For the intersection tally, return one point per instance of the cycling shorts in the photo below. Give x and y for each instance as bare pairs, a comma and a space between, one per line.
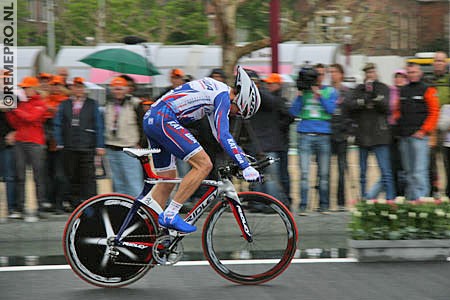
164, 131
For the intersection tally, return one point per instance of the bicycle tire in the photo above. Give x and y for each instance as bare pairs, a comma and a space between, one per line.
274, 239
85, 241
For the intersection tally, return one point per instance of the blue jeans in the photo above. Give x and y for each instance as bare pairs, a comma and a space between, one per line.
272, 184
318, 145
126, 173
382, 154
415, 161
8, 172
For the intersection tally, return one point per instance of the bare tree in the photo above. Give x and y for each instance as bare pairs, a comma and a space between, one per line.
364, 17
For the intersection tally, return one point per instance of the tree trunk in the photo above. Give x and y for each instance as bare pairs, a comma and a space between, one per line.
226, 21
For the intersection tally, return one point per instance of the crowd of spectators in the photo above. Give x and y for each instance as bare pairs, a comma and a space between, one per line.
60, 133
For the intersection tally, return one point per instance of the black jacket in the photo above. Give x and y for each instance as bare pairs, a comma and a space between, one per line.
85, 137
269, 124
370, 112
5, 128
341, 123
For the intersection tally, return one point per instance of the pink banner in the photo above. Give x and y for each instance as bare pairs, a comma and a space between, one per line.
266, 70
104, 76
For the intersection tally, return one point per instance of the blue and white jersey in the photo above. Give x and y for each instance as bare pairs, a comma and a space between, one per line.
193, 100
196, 99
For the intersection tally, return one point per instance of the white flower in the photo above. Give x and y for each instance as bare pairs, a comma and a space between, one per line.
371, 213
447, 215
393, 217
444, 199
357, 213
370, 202
382, 201
399, 200
423, 215
439, 212
412, 214
384, 213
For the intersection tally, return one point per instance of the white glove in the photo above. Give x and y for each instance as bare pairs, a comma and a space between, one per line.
251, 174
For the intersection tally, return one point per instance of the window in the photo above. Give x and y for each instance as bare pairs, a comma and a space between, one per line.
43, 10
32, 8
395, 33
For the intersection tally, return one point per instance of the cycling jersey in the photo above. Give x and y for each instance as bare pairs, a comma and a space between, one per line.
163, 123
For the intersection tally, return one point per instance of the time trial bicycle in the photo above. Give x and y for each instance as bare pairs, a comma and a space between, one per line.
112, 240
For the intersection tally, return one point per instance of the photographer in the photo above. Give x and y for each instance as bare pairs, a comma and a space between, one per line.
314, 105
369, 107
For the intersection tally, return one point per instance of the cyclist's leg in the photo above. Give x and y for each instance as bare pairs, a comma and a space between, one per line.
163, 130
201, 166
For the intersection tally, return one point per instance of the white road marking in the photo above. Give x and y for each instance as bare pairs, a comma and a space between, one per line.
193, 263
199, 263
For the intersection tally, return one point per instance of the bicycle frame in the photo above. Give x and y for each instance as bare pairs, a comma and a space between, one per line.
222, 190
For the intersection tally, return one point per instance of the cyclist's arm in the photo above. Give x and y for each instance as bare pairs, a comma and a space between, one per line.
220, 127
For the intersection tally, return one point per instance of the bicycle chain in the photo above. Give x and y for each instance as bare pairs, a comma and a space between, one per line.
138, 264
135, 264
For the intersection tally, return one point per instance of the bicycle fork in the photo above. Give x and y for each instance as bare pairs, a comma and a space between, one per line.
241, 219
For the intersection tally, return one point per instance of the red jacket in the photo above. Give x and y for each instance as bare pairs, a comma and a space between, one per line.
28, 120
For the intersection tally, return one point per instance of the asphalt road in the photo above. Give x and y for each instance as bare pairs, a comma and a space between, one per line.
306, 281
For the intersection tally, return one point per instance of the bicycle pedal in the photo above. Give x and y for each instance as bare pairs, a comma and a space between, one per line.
172, 232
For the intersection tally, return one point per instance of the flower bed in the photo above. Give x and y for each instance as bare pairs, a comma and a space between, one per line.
401, 220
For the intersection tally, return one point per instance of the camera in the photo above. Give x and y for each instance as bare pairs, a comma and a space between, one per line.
307, 77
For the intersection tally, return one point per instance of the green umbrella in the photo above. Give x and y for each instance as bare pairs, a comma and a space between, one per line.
122, 61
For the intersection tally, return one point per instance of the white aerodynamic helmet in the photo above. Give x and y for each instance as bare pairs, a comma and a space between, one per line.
247, 98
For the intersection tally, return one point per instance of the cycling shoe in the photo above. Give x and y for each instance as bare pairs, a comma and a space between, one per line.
176, 222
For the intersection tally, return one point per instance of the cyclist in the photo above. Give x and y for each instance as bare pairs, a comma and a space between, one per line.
163, 125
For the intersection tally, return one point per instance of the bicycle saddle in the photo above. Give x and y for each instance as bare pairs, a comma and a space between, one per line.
139, 152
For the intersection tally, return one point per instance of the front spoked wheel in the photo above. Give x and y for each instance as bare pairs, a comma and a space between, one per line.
267, 256
89, 246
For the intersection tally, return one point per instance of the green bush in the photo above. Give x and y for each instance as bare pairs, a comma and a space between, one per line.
401, 220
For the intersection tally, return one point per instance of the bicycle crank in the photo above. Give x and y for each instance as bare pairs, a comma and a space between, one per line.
166, 254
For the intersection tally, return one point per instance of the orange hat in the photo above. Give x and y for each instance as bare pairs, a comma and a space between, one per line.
274, 78
29, 81
78, 80
176, 73
57, 80
118, 81
45, 75
147, 102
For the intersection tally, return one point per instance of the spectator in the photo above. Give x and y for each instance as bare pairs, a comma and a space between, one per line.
369, 107
417, 113
123, 128
7, 164
63, 72
78, 129
188, 78
28, 121
44, 84
441, 80
218, 74
314, 107
281, 123
131, 84
341, 126
400, 79
55, 166
177, 78
265, 139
